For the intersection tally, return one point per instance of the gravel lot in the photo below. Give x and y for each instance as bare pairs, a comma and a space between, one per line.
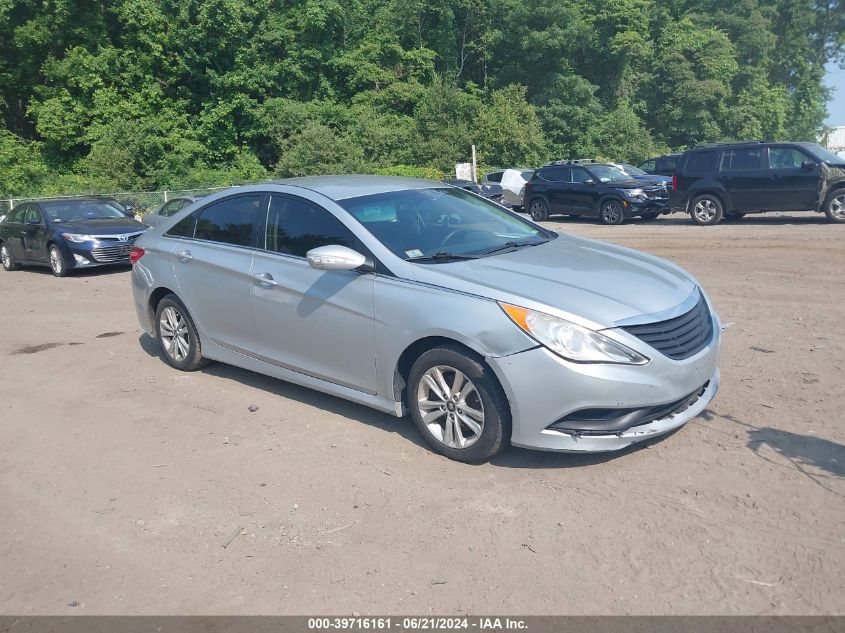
127, 487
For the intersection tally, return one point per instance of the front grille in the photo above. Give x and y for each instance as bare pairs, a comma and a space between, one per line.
111, 254
681, 337
656, 193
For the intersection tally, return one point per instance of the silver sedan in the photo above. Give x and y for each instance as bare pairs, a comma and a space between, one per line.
421, 299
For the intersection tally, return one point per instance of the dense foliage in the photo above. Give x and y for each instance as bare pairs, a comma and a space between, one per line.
128, 94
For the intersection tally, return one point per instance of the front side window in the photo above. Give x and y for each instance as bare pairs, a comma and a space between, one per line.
295, 226
744, 159
229, 221
33, 215
648, 166
786, 158
580, 175
607, 173
435, 224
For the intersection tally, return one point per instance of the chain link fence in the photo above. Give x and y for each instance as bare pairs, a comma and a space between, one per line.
140, 201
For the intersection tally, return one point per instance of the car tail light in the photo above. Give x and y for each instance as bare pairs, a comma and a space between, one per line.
674, 182
135, 254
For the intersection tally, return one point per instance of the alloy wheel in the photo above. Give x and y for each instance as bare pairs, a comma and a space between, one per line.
56, 262
450, 407
538, 210
837, 207
174, 334
705, 210
611, 213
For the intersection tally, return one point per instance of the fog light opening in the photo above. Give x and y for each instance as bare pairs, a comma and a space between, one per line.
81, 260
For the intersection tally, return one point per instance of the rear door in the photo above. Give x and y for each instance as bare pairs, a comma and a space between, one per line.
794, 187
316, 322
13, 231
212, 257
559, 188
745, 179
34, 235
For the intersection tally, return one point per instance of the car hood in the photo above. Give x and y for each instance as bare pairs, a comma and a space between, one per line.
593, 283
627, 184
105, 226
657, 180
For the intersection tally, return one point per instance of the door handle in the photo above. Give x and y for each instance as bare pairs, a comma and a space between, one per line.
265, 279
184, 256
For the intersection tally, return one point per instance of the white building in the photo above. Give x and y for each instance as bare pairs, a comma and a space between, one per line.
835, 141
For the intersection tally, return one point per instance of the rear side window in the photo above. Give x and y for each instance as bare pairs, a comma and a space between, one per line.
494, 177
230, 221
555, 174
742, 159
170, 208
18, 214
295, 226
699, 164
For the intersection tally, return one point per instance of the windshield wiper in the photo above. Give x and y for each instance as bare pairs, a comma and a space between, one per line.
512, 244
441, 256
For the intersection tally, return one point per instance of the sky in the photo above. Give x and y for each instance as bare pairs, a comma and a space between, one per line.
835, 78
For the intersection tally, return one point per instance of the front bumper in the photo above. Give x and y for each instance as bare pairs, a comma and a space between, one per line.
650, 205
94, 253
543, 389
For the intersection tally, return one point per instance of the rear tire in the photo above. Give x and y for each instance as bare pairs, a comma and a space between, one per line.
57, 261
612, 212
706, 210
467, 416
834, 206
9, 262
538, 210
177, 335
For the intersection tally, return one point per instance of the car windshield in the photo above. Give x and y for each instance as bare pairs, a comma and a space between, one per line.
439, 224
608, 173
74, 210
824, 154
633, 171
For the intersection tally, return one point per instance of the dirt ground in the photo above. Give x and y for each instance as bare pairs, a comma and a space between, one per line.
127, 487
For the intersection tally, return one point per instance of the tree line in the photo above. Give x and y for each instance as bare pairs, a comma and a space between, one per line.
106, 95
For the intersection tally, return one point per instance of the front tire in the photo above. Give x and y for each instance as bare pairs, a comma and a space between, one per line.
177, 335
611, 212
539, 210
9, 263
707, 210
458, 405
57, 261
834, 208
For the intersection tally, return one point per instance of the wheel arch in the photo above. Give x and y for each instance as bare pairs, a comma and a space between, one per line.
155, 298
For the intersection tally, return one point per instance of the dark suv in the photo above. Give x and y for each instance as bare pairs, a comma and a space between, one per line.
593, 189
662, 165
730, 180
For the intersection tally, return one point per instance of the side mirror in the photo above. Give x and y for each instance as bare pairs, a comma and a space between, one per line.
808, 165
335, 257
589, 181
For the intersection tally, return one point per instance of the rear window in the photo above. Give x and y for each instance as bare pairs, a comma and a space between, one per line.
494, 177
699, 164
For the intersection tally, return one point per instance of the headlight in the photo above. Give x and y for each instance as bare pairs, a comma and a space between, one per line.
633, 193
77, 237
571, 341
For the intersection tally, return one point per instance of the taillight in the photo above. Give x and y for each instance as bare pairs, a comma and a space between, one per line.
135, 254
674, 182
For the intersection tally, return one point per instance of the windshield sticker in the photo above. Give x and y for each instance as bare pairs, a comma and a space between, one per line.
414, 253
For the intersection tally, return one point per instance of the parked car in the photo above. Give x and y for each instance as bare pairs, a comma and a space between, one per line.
153, 218
512, 182
410, 296
67, 235
662, 165
491, 192
638, 174
727, 181
593, 189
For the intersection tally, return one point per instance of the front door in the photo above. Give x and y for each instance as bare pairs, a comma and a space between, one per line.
213, 268
13, 229
794, 184
33, 236
316, 322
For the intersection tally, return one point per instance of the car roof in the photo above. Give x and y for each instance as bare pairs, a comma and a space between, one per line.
343, 187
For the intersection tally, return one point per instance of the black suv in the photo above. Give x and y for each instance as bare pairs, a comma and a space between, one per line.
593, 189
730, 180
